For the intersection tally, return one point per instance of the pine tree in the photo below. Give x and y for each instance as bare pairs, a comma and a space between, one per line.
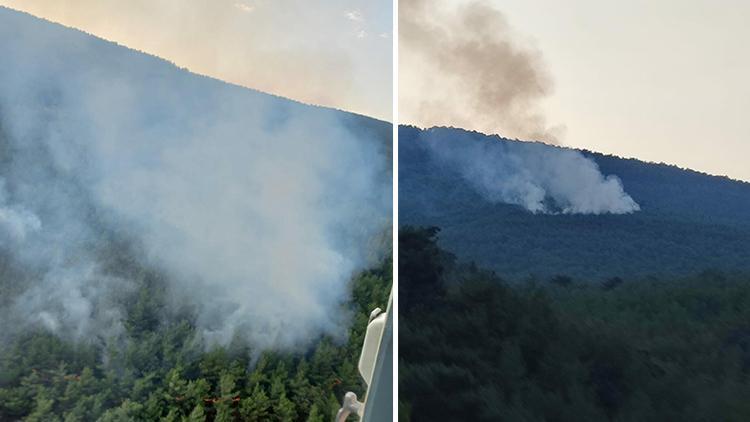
43, 411
224, 408
198, 414
256, 407
315, 415
285, 409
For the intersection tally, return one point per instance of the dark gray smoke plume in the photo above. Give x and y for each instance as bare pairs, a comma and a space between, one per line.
257, 210
461, 66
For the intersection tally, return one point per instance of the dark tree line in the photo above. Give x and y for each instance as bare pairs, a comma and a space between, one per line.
475, 347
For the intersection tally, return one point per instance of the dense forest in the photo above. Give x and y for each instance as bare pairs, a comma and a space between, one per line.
475, 347
160, 372
688, 221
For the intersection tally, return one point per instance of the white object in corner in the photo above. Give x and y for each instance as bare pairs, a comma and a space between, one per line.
371, 344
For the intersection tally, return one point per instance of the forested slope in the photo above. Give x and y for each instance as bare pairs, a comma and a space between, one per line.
160, 370
688, 221
475, 347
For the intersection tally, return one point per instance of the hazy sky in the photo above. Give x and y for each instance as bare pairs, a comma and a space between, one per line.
657, 80
333, 52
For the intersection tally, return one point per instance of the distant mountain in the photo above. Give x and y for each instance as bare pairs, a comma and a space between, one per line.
688, 221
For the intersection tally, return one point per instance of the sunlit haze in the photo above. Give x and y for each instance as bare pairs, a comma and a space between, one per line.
335, 53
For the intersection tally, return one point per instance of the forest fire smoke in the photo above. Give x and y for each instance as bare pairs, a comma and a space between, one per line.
480, 75
256, 210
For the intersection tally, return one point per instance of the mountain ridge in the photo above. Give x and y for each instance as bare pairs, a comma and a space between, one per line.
585, 151
39, 20
688, 221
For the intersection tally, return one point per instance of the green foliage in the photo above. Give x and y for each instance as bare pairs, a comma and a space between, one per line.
628, 350
315, 415
198, 413
157, 372
257, 407
423, 264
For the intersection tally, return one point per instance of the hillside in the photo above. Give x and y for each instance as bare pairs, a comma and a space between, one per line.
169, 244
486, 350
688, 222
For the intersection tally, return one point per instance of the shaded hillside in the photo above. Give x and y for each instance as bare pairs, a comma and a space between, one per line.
675, 349
688, 221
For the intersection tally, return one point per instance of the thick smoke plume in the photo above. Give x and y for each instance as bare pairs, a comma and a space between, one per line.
462, 66
539, 177
257, 210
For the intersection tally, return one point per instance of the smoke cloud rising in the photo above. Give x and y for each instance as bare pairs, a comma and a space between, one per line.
539, 177
462, 66
257, 210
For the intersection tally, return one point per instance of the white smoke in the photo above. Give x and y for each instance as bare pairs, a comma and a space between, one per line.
259, 210
539, 177
15, 222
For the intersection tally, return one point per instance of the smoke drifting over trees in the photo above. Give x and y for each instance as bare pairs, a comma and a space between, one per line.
539, 177
462, 66
256, 210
